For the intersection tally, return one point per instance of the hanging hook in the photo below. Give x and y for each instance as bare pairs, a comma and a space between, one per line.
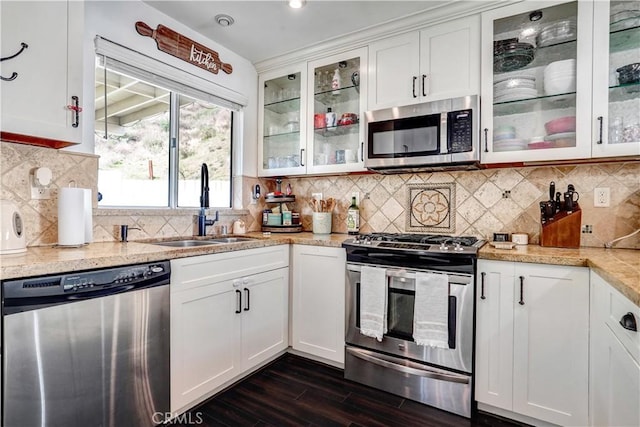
23, 46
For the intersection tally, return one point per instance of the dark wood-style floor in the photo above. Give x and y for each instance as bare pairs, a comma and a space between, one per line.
294, 391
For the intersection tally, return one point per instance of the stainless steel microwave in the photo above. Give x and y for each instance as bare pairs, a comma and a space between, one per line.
430, 136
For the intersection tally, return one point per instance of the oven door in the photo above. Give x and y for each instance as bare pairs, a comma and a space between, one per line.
399, 337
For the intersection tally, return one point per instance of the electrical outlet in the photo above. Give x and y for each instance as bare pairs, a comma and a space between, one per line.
587, 229
601, 197
317, 196
356, 194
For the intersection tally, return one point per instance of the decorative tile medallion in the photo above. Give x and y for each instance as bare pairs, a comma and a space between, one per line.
431, 207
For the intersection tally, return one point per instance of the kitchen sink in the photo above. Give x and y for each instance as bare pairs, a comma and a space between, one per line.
187, 243
232, 239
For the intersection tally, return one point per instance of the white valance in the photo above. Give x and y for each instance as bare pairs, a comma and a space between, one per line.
138, 65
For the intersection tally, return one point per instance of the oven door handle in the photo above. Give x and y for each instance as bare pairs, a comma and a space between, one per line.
408, 367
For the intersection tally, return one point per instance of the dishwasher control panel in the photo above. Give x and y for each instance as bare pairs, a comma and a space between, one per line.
129, 277
112, 277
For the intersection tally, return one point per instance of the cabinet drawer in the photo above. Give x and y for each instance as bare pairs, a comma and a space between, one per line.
610, 306
188, 273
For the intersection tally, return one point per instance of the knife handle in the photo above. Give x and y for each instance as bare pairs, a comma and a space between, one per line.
552, 190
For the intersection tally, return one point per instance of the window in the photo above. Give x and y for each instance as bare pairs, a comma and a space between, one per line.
152, 142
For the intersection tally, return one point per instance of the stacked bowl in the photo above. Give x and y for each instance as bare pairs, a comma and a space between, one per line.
504, 139
560, 77
510, 54
561, 131
557, 32
514, 88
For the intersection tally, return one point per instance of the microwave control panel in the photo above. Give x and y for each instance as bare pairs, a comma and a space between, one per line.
460, 131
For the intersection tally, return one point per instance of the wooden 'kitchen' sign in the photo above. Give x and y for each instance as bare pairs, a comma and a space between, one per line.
176, 44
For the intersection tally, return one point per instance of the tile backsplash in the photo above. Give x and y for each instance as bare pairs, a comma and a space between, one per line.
483, 202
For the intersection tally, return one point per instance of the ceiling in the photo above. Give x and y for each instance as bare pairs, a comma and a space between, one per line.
266, 29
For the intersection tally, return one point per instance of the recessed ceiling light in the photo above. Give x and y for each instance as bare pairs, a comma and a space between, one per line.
224, 20
297, 4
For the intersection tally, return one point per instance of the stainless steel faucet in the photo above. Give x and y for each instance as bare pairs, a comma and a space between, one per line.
203, 222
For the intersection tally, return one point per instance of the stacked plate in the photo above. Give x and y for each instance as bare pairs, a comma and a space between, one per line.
624, 19
514, 88
504, 139
560, 77
509, 55
557, 32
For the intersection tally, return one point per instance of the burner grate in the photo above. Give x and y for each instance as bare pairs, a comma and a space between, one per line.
431, 239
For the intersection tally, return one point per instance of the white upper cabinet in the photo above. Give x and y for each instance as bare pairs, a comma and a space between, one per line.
48, 73
442, 61
536, 82
616, 94
309, 119
551, 89
282, 121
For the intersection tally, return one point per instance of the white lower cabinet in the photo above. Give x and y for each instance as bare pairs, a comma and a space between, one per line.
225, 322
532, 340
318, 312
615, 360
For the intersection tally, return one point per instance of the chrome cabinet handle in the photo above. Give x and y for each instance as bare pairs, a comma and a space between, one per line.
302, 157
600, 119
414, 86
482, 285
628, 322
424, 77
239, 300
521, 302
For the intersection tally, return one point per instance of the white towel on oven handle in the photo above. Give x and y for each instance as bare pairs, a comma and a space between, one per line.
431, 310
373, 302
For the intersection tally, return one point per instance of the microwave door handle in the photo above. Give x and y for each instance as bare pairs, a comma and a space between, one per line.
409, 367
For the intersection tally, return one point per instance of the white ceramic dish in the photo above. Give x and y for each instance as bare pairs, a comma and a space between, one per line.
503, 245
563, 135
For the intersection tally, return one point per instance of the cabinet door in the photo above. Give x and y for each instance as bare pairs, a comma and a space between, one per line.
282, 122
265, 316
551, 343
450, 59
335, 141
537, 82
494, 333
616, 95
205, 341
318, 324
394, 67
49, 71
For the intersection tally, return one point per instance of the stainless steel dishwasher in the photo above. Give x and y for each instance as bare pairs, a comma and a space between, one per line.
87, 349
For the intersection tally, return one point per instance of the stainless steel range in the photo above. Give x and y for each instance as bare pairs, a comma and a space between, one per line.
440, 376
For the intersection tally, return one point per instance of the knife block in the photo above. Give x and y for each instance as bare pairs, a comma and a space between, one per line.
563, 230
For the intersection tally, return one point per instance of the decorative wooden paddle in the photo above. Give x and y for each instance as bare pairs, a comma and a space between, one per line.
184, 48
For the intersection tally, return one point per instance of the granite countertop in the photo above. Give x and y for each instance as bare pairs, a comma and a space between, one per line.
619, 267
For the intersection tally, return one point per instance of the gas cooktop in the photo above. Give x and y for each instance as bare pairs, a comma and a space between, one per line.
433, 243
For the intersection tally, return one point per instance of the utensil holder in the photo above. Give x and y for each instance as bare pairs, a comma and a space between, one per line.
322, 223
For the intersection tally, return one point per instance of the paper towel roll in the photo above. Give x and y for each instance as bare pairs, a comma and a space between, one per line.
71, 229
88, 215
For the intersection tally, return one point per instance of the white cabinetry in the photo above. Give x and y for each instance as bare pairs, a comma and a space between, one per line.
615, 358
442, 61
295, 137
318, 314
532, 110
532, 340
48, 72
229, 313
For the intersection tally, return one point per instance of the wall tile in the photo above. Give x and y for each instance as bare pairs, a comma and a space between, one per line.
480, 208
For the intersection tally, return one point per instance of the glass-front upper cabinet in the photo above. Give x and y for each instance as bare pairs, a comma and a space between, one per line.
282, 122
616, 79
536, 82
335, 133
